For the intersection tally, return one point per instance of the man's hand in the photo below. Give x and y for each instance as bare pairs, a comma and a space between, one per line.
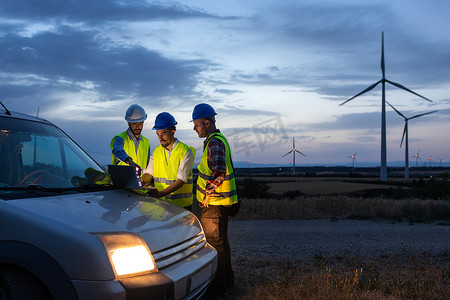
130, 161
205, 202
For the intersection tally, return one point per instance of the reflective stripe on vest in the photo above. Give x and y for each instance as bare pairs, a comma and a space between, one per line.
165, 173
169, 182
227, 189
141, 157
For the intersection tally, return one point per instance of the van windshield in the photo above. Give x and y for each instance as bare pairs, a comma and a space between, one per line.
39, 154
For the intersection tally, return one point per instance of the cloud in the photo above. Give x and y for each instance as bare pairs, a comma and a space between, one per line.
227, 91
236, 110
99, 11
369, 120
76, 61
264, 79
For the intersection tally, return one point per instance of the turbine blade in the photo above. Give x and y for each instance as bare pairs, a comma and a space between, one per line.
404, 133
366, 90
382, 54
300, 153
396, 110
406, 89
287, 153
416, 116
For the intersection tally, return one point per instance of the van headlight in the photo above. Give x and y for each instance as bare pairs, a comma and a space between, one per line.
128, 253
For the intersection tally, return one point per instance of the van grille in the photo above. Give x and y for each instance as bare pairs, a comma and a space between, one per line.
176, 253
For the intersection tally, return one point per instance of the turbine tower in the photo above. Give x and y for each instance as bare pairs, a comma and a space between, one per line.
383, 80
353, 157
405, 135
293, 155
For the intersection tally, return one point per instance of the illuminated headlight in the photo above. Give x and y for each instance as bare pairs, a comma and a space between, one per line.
128, 253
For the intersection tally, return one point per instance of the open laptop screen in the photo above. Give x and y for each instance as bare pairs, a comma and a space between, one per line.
124, 176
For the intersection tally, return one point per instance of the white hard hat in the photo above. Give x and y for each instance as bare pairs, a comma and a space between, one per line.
135, 114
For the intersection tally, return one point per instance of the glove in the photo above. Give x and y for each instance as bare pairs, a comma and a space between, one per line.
130, 161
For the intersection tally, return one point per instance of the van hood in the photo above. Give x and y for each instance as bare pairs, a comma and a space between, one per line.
160, 223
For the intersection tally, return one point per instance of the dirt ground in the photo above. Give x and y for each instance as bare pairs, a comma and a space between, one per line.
264, 246
305, 239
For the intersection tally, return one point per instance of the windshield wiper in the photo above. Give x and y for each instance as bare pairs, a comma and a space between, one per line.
31, 188
35, 187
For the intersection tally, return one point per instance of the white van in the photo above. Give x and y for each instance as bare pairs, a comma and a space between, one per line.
67, 233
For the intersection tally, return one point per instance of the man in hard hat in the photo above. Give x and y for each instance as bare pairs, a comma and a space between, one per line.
131, 147
216, 191
170, 165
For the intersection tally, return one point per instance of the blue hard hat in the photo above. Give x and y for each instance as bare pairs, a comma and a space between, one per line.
135, 114
202, 111
164, 120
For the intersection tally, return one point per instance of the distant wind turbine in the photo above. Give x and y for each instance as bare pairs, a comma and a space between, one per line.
353, 157
405, 135
417, 157
383, 80
429, 159
293, 155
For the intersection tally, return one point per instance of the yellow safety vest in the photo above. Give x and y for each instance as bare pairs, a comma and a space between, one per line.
227, 190
165, 172
141, 157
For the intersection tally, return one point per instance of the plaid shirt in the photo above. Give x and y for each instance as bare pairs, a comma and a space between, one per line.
217, 163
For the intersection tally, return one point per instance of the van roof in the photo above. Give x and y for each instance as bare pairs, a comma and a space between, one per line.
17, 115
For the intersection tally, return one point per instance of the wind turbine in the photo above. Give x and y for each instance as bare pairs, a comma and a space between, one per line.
417, 157
293, 154
383, 80
429, 159
353, 157
405, 135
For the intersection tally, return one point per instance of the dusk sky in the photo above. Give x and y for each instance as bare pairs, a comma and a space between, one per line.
273, 70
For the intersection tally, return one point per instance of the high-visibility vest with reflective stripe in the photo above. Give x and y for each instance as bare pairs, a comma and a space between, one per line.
227, 190
165, 173
141, 157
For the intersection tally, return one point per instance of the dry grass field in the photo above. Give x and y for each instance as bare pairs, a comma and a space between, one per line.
325, 185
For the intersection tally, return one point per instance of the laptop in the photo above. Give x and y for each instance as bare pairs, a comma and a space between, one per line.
125, 177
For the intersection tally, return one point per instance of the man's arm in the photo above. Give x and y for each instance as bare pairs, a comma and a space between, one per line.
217, 162
168, 190
185, 167
118, 151
147, 175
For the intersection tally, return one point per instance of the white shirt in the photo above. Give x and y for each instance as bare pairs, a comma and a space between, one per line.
184, 168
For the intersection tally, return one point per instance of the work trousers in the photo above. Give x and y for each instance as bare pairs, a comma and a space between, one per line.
214, 220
